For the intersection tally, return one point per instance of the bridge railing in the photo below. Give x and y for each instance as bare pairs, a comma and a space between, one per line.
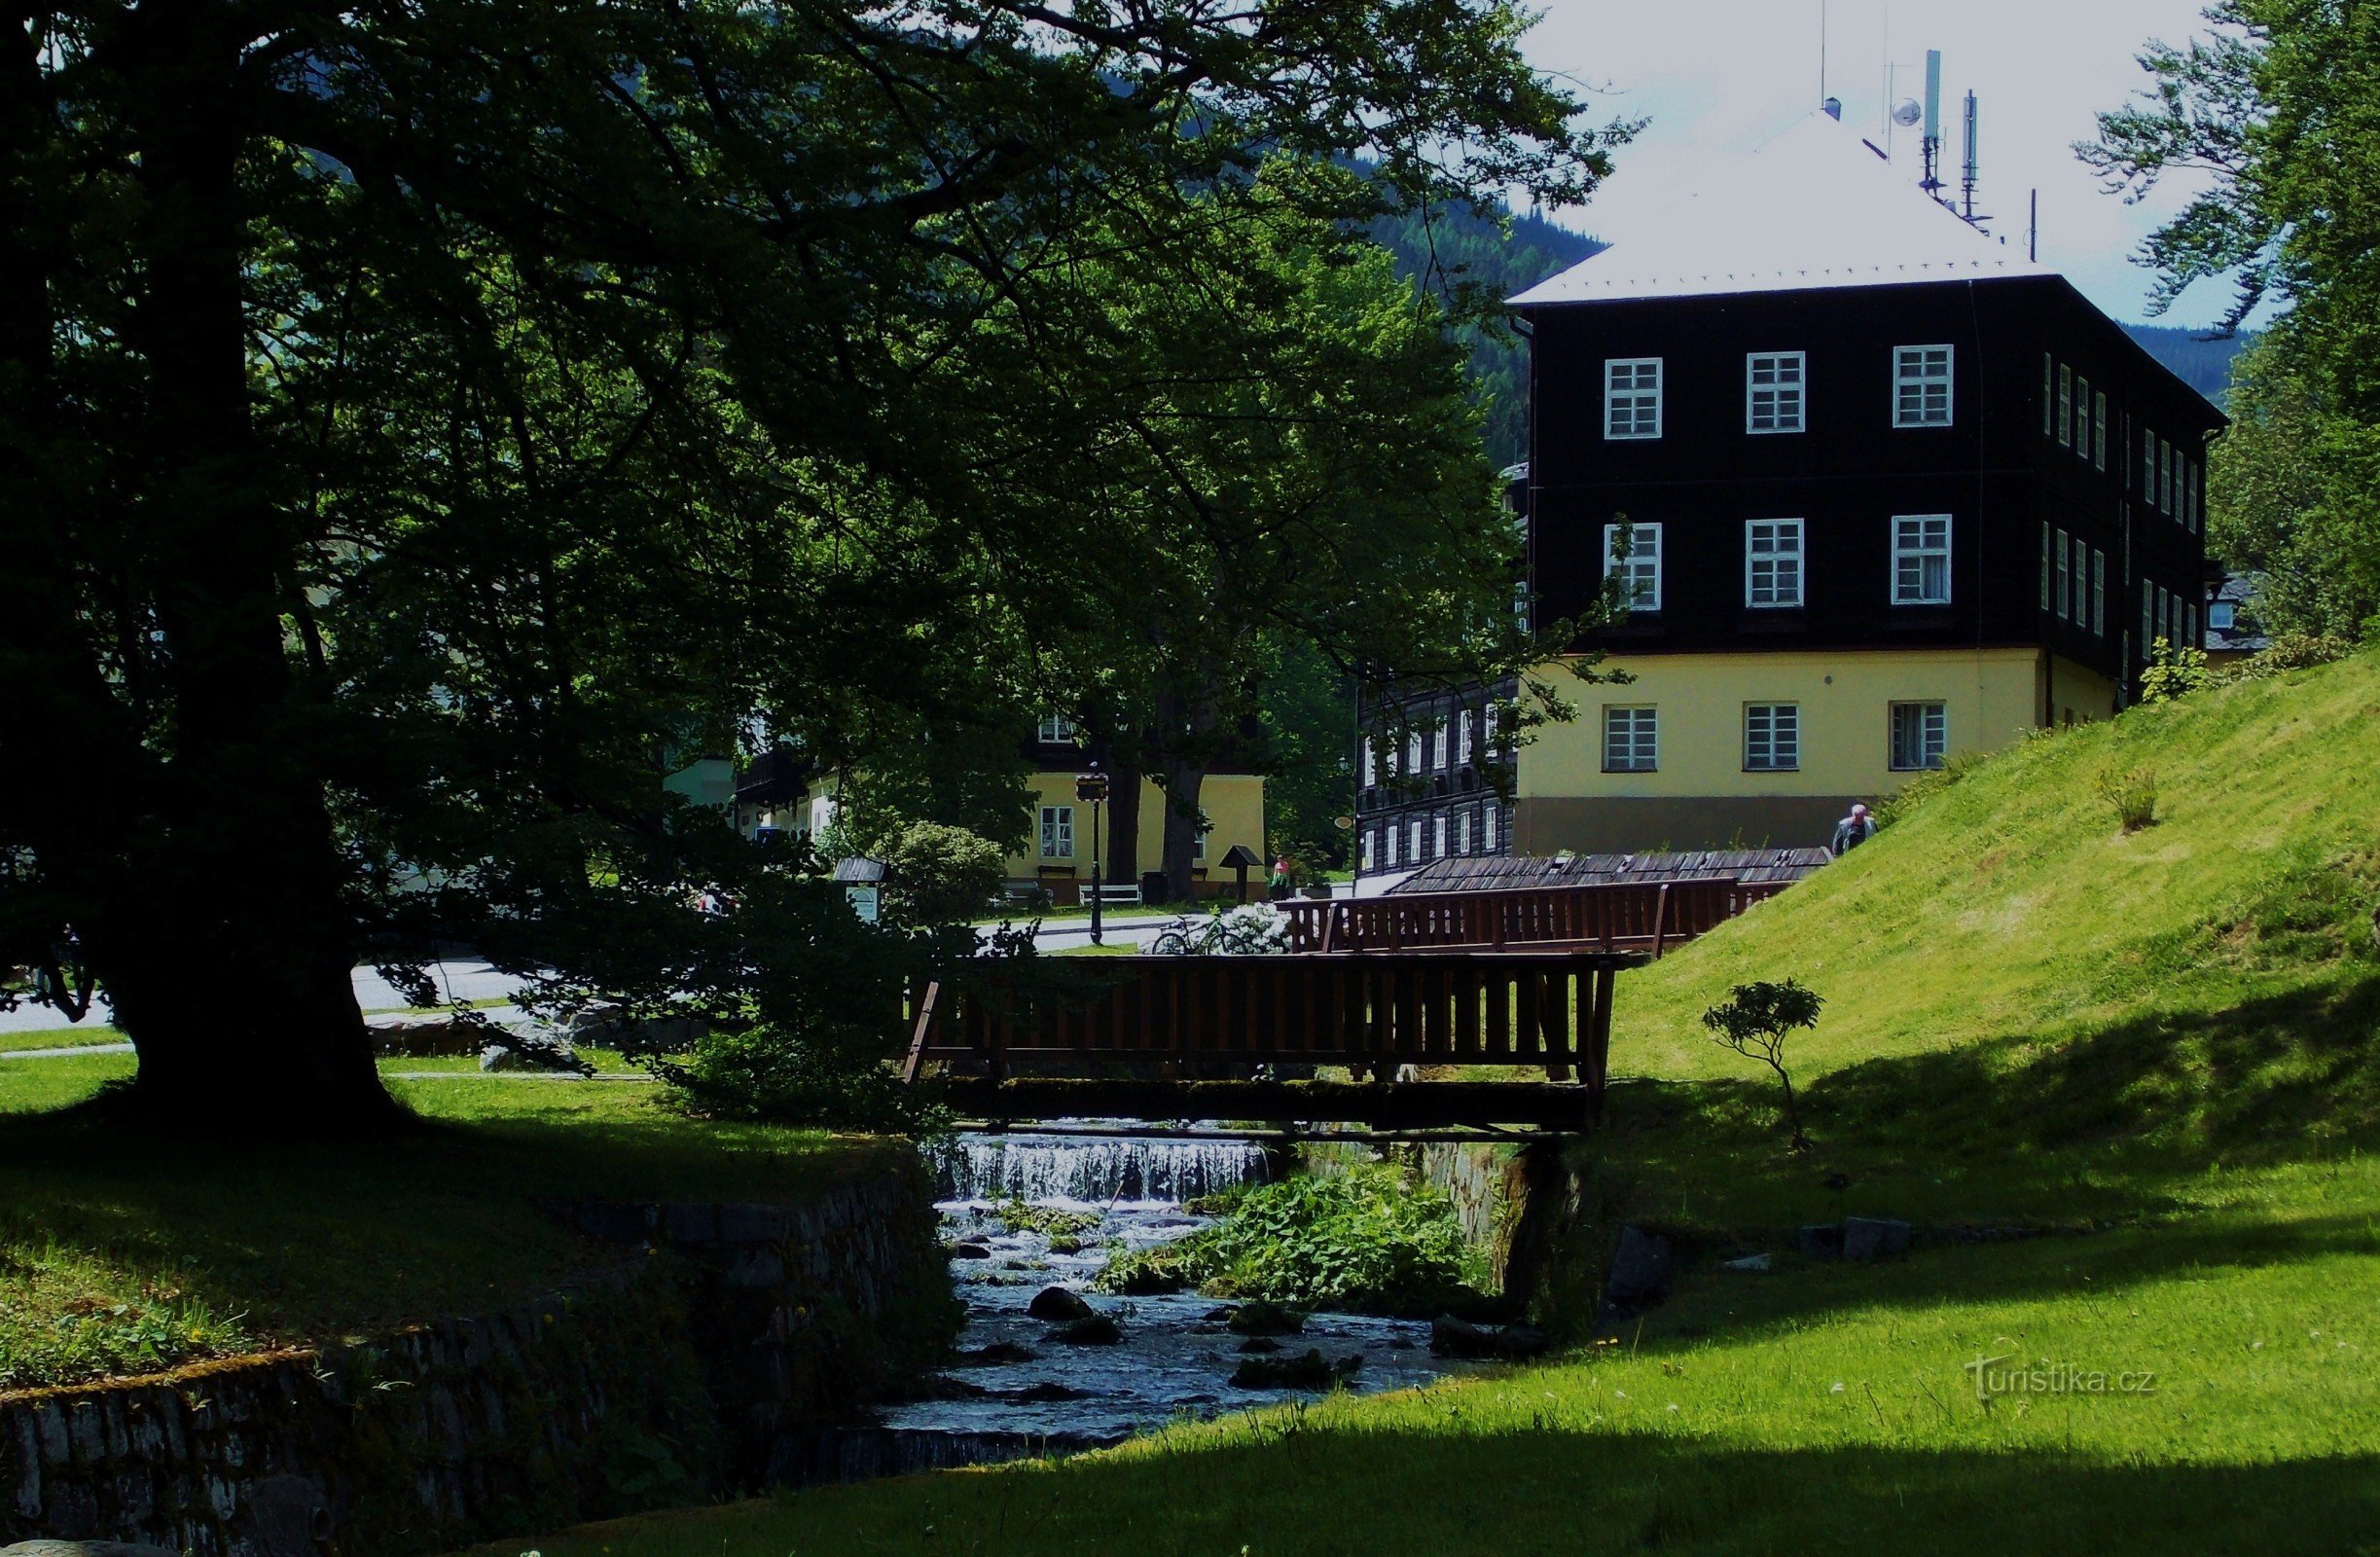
1612, 916
1372, 1014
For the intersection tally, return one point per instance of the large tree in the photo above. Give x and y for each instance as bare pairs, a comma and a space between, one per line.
2274, 118
421, 428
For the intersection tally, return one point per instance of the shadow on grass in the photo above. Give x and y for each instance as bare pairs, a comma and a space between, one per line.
1354, 1489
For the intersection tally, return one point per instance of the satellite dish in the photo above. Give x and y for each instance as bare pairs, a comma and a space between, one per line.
1908, 113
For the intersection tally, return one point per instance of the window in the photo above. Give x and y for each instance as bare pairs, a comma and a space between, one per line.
2065, 584
1433, 751
1773, 391
1365, 777
1371, 849
1631, 743
2099, 431
1056, 730
2192, 500
1491, 822
2049, 544
2082, 584
2165, 476
1441, 830
2082, 417
1056, 831
2149, 466
2149, 616
1921, 560
1413, 842
2222, 616
1920, 733
2049, 395
1772, 564
1413, 755
1632, 397
2189, 627
1639, 571
1921, 387
1772, 736
1462, 833
1463, 736
2099, 593
2066, 406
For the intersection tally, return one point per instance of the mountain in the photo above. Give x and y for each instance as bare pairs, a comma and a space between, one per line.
1462, 248
2202, 364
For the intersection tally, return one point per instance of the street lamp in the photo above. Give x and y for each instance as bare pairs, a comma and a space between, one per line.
1092, 789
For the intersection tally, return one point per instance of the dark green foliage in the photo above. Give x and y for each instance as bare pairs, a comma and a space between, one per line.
1462, 250
1368, 1240
767, 1074
2271, 114
936, 875
1755, 1020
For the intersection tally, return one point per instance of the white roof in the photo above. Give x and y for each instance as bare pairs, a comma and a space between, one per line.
1814, 207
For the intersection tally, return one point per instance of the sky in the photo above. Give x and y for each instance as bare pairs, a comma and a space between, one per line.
1720, 76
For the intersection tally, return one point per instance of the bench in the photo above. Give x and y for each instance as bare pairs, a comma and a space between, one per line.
1113, 896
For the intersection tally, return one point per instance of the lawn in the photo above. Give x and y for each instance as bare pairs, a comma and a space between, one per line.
124, 1254
2127, 1085
74, 1038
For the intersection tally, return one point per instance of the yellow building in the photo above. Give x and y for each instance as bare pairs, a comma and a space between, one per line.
1057, 856
1744, 749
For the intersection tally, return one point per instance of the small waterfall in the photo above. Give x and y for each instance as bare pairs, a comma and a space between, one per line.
1095, 1169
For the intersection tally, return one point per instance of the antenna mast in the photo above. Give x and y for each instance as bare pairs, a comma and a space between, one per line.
1967, 178
1932, 183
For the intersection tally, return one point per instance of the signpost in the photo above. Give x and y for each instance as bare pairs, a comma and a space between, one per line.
1091, 789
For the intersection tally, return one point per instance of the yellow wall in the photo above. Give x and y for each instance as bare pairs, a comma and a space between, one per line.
1700, 796
1990, 697
1233, 802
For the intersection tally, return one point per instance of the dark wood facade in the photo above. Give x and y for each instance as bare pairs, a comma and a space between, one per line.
2000, 468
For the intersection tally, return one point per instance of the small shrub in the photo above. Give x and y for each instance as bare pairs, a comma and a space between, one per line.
2174, 673
1754, 1022
2289, 651
937, 875
765, 1073
1370, 1241
2132, 796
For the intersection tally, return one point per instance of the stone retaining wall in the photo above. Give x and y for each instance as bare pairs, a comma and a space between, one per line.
715, 1352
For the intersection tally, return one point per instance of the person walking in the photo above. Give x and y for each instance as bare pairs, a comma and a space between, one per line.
1853, 831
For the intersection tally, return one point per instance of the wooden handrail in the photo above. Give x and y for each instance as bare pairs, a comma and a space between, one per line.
1608, 914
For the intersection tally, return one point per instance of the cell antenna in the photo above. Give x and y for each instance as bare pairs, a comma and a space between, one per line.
1967, 178
1932, 183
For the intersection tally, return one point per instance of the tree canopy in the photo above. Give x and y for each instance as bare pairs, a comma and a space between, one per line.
422, 428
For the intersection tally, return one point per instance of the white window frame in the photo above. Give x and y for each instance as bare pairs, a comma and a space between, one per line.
2099, 429
1913, 392
1371, 849
1056, 730
1489, 818
1932, 736
1415, 838
2064, 594
1632, 386
1784, 557
2099, 593
1638, 727
1462, 737
2066, 406
1641, 571
1463, 832
1786, 393
1441, 829
1058, 832
1413, 754
1775, 740
2049, 395
1912, 542
1365, 776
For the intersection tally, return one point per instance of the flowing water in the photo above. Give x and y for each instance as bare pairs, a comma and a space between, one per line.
1176, 1359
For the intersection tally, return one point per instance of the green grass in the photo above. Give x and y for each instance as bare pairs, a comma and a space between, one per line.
2158, 1051
124, 1252
74, 1038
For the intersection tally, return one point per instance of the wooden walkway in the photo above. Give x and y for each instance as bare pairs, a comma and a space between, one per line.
1183, 1036
1646, 916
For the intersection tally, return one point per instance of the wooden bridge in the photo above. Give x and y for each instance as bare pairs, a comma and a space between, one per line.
1636, 915
1404, 993
1174, 1038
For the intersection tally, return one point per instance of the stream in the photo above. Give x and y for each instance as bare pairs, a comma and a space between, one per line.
1032, 1396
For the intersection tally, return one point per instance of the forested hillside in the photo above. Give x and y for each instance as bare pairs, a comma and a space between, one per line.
2202, 364
1462, 249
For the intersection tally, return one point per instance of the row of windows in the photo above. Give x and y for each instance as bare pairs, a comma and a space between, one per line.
1918, 734
1058, 835
2166, 617
1444, 750
2076, 415
1419, 840
1774, 555
2074, 581
1775, 392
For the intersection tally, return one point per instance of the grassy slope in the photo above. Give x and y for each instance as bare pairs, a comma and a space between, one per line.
121, 1255
2160, 1049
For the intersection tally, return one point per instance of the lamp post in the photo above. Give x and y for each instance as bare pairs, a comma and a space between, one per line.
1092, 787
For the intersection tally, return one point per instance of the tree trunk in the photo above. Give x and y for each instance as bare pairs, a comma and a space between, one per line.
228, 957
1124, 820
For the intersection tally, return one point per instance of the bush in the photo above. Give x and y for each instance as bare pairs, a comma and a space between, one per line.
937, 875
2174, 673
1370, 1242
764, 1074
2132, 796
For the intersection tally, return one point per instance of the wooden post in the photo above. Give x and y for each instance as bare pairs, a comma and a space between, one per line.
1661, 919
925, 1027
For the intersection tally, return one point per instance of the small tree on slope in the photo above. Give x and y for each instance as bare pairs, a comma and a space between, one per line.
1754, 1022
